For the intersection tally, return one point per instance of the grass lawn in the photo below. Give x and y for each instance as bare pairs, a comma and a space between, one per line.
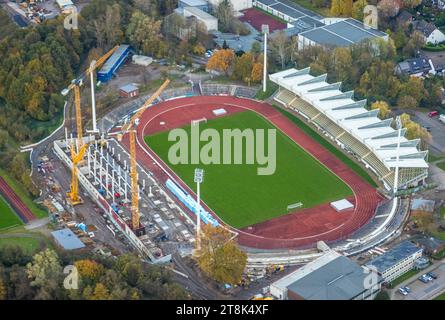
28, 244
8, 218
327, 145
440, 297
403, 277
441, 165
271, 88
240, 196
24, 195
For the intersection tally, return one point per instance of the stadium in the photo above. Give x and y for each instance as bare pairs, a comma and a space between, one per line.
293, 208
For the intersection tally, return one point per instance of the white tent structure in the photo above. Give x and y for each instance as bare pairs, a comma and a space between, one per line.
352, 126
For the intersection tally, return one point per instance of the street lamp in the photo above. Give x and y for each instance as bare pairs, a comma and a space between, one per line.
199, 178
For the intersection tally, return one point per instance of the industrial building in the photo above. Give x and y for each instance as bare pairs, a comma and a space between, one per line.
330, 277
315, 30
67, 239
237, 5
397, 261
113, 63
200, 4
339, 33
354, 128
209, 21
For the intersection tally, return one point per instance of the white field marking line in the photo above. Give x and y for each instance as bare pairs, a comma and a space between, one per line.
144, 146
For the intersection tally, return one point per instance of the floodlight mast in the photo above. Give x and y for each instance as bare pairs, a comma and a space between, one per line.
199, 178
396, 174
265, 30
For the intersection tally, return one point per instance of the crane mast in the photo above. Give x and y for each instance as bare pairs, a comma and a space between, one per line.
131, 130
78, 154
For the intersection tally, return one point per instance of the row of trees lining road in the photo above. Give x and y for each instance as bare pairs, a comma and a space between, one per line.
41, 277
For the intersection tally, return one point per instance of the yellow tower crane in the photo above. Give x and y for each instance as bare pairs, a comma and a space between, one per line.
78, 150
130, 128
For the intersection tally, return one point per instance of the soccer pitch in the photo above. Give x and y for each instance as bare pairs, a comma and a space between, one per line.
238, 195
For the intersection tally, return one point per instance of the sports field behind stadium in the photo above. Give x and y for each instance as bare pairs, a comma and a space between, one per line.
238, 195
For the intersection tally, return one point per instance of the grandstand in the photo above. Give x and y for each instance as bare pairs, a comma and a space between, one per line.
213, 89
353, 127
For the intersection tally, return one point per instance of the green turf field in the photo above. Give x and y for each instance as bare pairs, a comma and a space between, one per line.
8, 218
240, 196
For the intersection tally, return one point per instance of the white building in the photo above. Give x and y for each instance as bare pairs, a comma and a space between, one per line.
237, 5
354, 128
429, 31
397, 261
209, 21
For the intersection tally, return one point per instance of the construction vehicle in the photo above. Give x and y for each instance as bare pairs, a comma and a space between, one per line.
130, 128
78, 150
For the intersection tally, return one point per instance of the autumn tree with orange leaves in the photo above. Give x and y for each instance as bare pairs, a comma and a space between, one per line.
221, 61
220, 257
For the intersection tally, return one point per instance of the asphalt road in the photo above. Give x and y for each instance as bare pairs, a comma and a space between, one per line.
437, 130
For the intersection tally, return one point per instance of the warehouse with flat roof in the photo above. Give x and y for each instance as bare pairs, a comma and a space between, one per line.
340, 33
330, 277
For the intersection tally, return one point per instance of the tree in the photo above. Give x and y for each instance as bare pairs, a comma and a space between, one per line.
388, 8
342, 62
45, 267
407, 102
143, 32
414, 88
279, 45
199, 49
257, 72
383, 107
242, 67
341, 8
221, 61
358, 8
89, 270
100, 292
3, 289
220, 257
411, 3
413, 129
414, 44
256, 48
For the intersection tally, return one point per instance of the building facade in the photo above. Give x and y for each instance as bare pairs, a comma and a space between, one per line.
397, 261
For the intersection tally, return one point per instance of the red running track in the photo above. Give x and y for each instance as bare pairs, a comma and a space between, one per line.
299, 229
15, 202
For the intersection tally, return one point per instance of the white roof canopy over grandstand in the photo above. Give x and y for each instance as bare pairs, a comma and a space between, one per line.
352, 116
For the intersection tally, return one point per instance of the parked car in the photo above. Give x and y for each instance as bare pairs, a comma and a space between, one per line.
407, 289
423, 279
403, 291
432, 275
433, 113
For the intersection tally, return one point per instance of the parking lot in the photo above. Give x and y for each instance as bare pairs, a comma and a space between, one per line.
424, 291
436, 128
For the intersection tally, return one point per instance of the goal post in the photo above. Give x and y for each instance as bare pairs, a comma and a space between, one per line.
197, 121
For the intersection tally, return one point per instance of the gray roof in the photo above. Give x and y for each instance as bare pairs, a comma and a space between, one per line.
128, 88
429, 243
423, 204
194, 3
340, 279
291, 9
109, 64
67, 239
342, 33
394, 256
425, 27
415, 65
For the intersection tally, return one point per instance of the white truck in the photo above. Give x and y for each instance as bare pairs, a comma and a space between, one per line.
442, 118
